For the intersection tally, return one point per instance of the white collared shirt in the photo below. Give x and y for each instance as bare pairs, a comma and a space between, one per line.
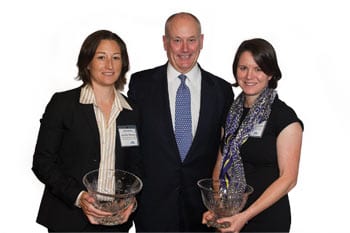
107, 132
193, 81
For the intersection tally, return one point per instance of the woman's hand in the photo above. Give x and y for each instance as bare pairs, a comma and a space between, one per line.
236, 223
207, 216
86, 203
124, 216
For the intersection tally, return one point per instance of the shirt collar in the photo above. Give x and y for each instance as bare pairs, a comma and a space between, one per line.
194, 72
87, 96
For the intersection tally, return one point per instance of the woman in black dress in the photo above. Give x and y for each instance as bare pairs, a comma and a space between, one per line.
261, 144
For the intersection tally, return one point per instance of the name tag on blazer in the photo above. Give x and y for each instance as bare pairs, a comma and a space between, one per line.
128, 135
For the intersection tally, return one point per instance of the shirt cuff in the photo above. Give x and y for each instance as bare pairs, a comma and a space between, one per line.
77, 201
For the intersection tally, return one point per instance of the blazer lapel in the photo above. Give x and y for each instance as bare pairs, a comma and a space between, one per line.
162, 106
89, 114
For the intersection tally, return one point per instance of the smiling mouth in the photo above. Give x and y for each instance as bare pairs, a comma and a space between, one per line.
108, 73
184, 57
249, 84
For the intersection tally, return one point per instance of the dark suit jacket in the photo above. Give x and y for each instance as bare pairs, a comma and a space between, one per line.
170, 200
68, 146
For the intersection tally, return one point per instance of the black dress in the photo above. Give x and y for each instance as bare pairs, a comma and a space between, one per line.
259, 157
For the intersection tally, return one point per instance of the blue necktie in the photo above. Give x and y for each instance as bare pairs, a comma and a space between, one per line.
183, 120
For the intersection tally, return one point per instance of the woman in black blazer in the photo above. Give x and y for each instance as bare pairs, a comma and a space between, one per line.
81, 131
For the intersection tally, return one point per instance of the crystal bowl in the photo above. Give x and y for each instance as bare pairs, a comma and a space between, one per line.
223, 198
113, 190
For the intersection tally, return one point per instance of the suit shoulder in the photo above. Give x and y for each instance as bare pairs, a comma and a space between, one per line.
148, 72
64, 99
223, 82
68, 93
216, 78
61, 106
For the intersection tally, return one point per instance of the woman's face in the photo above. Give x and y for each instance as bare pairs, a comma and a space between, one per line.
249, 75
106, 65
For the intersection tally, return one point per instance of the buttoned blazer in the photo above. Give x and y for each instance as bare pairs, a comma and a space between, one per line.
170, 199
68, 146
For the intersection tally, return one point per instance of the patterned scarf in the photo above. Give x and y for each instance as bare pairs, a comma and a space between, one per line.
232, 166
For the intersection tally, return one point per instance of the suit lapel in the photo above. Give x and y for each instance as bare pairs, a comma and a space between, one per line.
208, 98
162, 107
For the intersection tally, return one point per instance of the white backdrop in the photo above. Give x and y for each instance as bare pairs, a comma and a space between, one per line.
40, 42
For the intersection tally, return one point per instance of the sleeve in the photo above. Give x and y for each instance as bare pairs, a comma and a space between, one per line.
77, 201
46, 161
286, 116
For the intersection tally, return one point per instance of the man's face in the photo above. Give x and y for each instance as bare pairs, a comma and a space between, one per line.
183, 43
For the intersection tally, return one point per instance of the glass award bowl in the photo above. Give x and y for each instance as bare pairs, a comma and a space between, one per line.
113, 190
223, 199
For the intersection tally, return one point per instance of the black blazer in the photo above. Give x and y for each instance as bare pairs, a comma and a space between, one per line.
170, 199
68, 146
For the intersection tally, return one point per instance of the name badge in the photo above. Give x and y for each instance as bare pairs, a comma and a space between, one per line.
258, 130
128, 136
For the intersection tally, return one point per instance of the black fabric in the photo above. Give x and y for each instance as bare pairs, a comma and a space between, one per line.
259, 157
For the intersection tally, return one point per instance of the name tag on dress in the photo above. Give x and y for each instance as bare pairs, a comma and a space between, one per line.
258, 130
128, 136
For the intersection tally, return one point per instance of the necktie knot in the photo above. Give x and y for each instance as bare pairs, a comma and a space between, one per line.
182, 77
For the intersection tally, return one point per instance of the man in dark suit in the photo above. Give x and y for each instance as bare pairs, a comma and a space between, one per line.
170, 200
